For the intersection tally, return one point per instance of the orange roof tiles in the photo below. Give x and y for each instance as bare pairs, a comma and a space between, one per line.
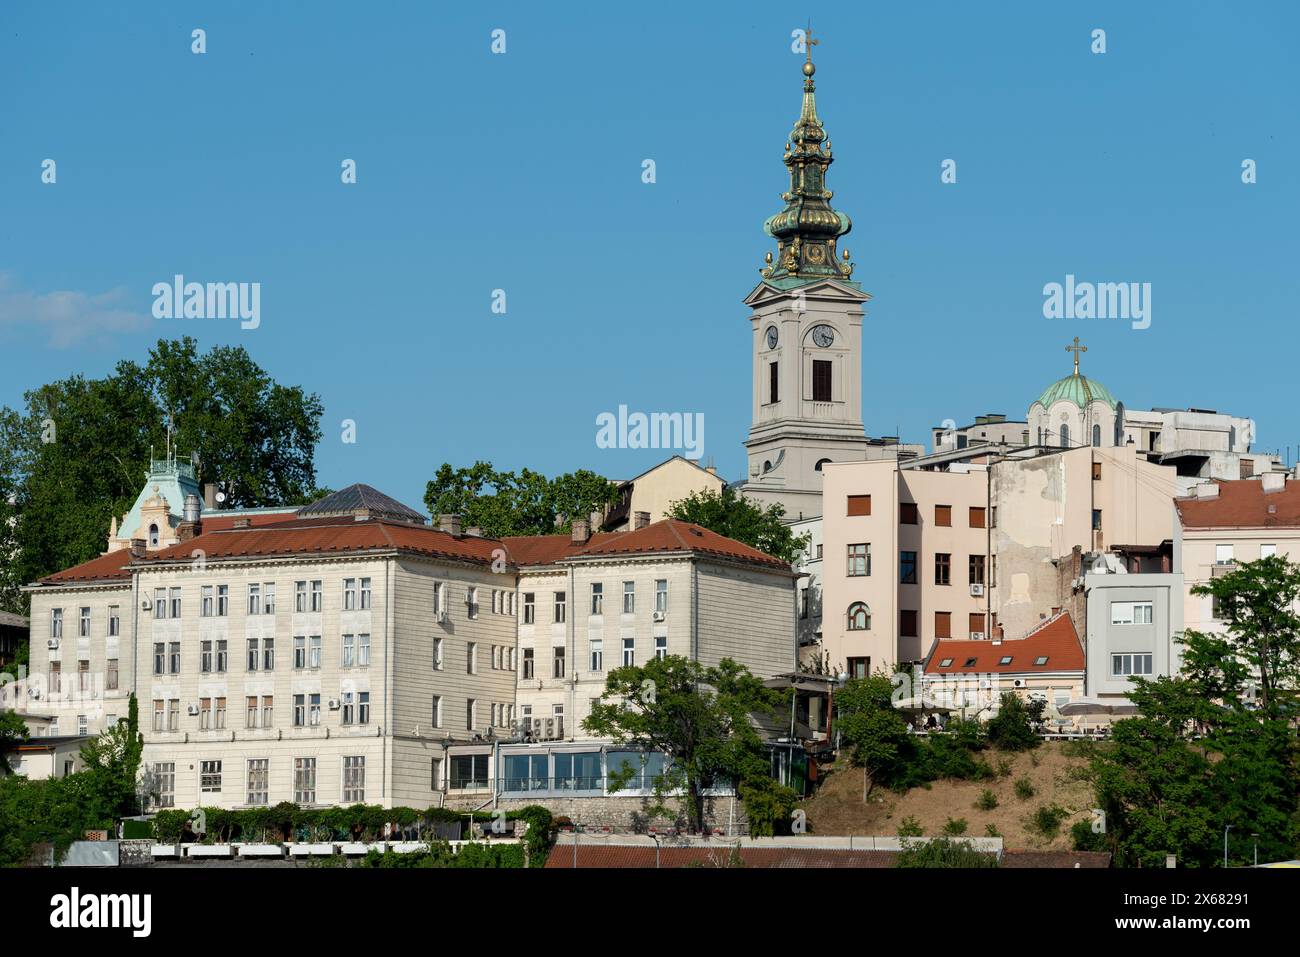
110, 567
1055, 639
1243, 504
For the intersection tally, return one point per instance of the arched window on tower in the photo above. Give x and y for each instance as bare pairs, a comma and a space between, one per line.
153, 536
1096, 436
1065, 436
820, 463
859, 617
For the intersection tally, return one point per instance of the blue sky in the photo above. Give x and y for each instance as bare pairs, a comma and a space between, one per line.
522, 172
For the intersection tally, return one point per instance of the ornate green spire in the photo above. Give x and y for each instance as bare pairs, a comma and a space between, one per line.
807, 230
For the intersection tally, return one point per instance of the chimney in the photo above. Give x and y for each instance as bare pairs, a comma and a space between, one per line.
1207, 490
581, 531
1273, 481
191, 523
210, 496
138, 548
449, 523
473, 532
640, 519
711, 469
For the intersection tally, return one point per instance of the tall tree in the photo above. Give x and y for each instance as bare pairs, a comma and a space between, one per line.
505, 503
735, 516
698, 716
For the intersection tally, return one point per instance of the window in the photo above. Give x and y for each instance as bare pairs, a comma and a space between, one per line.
174, 595
206, 605
299, 710
821, 380
577, 772
907, 568
349, 594
528, 663
908, 514
558, 665
250, 714
471, 602
56, 681
471, 658
1223, 555
304, 780
976, 517
160, 603
661, 647
907, 623
437, 654
1040, 660
976, 569
1130, 613
354, 779
1005, 660
174, 658
859, 667
859, 560
597, 654
349, 707
942, 568
969, 662
435, 774
300, 652
254, 658
943, 516
530, 611
976, 624
629, 652
629, 597
268, 711
1096, 471
945, 662
173, 714
223, 601
205, 657
56, 622
317, 595
258, 781
943, 624
597, 598
300, 596
159, 658
773, 382
560, 598
159, 713
268, 598
1125, 665
661, 595
153, 537
363, 650
83, 624
210, 777
435, 711
114, 621
1065, 436
469, 771
110, 679
1096, 520
83, 675
254, 598
219, 715
437, 599
803, 602
365, 593
1096, 441
471, 714
859, 505
859, 617
165, 771
1265, 551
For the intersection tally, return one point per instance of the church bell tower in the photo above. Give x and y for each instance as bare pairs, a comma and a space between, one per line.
806, 325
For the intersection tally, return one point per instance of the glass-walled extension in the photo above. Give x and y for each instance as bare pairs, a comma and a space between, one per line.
576, 770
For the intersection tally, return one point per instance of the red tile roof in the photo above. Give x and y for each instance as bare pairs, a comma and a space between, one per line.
546, 549
110, 567
217, 521
1243, 504
1054, 638
671, 535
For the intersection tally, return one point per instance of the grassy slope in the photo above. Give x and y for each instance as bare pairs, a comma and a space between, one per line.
837, 807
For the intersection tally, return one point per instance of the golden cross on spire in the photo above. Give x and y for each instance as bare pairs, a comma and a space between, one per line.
809, 42
1076, 349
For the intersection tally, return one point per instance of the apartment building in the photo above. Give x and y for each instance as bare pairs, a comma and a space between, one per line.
1134, 618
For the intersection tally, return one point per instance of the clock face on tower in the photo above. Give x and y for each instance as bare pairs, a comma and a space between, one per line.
771, 337
823, 336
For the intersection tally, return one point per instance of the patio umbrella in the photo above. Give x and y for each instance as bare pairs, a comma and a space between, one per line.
1082, 706
921, 704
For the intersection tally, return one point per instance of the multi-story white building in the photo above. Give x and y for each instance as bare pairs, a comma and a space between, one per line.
354, 654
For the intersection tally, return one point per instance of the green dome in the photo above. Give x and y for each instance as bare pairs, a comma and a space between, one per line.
1077, 389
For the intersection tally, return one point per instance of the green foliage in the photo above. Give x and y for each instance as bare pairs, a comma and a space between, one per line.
909, 827
943, 852
991, 830
1004, 767
112, 759
1012, 728
698, 716
736, 516
768, 806
249, 431
1082, 837
987, 800
1046, 820
955, 827
505, 503
13, 732
55, 811
440, 855
1024, 789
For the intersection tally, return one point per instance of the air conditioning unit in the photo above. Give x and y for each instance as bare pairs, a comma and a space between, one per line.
550, 729
977, 636
334, 704
52, 644
145, 604
442, 616
660, 615
193, 710
538, 728
976, 590
34, 693
1018, 683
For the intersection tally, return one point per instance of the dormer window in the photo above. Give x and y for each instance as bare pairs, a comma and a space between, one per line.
153, 536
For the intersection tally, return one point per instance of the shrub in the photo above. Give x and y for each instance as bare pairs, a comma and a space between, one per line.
1083, 839
1047, 820
954, 827
1024, 789
909, 827
987, 800
1011, 728
943, 852
991, 830
1004, 767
